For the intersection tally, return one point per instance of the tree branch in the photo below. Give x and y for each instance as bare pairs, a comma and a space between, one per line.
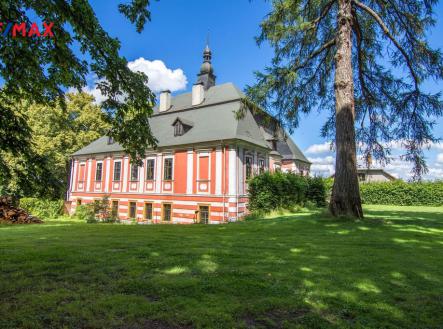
314, 54
324, 12
359, 37
391, 37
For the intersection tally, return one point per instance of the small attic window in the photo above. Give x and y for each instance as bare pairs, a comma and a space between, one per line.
110, 140
181, 126
178, 129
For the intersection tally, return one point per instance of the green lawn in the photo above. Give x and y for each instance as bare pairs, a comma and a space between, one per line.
294, 271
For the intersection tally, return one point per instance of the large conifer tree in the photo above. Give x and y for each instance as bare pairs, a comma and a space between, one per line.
365, 62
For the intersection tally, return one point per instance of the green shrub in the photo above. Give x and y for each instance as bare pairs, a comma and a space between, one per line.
401, 193
257, 214
86, 213
42, 208
278, 190
97, 211
316, 192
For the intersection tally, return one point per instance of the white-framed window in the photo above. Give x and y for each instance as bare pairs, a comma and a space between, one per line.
168, 164
248, 167
99, 171
150, 169
261, 166
134, 172
117, 170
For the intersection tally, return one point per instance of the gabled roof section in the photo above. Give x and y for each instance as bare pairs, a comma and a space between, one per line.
290, 151
215, 95
213, 120
100, 145
184, 122
375, 171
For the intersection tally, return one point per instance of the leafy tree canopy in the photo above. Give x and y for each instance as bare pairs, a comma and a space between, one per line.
56, 132
41, 69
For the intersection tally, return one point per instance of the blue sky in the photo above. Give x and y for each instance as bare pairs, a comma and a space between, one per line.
176, 36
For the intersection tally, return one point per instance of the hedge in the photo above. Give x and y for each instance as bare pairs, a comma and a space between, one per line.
42, 208
270, 191
402, 193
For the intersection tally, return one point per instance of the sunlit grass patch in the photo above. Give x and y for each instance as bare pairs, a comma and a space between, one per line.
301, 270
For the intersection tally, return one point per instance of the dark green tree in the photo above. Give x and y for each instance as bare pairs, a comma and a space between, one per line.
41, 69
362, 61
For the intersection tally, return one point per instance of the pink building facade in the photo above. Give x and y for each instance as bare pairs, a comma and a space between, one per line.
199, 170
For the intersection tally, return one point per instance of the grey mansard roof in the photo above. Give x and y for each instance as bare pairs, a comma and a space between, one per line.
212, 120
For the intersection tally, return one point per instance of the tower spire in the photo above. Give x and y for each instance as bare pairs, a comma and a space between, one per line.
206, 75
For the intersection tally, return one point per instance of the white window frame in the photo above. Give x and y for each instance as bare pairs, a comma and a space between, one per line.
113, 170
130, 173
96, 165
172, 168
250, 156
154, 169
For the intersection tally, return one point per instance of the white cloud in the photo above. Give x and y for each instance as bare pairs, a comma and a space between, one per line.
399, 145
319, 148
434, 173
324, 170
323, 160
436, 146
159, 78
322, 166
325, 166
96, 93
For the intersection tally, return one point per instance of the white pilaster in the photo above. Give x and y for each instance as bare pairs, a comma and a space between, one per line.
158, 173
141, 176
232, 170
88, 176
107, 174
125, 174
218, 170
240, 167
74, 176
190, 171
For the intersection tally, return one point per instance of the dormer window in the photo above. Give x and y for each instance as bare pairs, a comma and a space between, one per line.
178, 129
110, 140
181, 126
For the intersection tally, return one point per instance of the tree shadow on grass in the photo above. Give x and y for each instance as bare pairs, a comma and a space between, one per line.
292, 271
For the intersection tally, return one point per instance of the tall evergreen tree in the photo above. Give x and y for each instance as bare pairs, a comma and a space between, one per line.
364, 61
40, 69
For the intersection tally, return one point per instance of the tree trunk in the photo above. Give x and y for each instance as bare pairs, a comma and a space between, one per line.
345, 199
